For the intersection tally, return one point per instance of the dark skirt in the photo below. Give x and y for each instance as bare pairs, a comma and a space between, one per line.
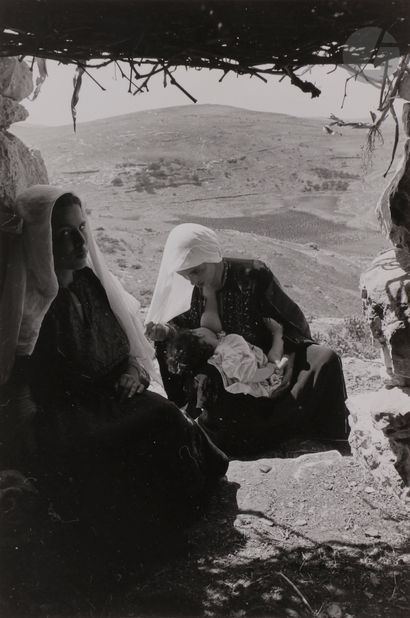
313, 408
132, 470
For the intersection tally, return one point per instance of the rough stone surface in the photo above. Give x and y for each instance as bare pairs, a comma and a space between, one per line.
404, 87
20, 168
386, 292
11, 111
16, 80
393, 208
386, 284
406, 115
380, 437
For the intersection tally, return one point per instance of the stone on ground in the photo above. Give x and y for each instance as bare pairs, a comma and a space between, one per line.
380, 436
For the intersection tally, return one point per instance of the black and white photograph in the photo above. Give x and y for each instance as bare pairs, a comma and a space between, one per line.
204, 308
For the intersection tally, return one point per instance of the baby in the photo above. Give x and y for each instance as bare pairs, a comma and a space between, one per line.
244, 368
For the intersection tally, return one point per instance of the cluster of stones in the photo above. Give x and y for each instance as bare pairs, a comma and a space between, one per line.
380, 421
20, 167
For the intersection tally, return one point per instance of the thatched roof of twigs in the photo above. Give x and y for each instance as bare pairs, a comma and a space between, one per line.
254, 37
236, 35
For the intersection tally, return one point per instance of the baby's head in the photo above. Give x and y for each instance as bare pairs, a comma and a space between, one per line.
189, 350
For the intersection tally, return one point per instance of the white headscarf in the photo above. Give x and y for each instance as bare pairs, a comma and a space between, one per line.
188, 245
28, 283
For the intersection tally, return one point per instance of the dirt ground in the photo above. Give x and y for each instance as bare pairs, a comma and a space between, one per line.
302, 531
297, 535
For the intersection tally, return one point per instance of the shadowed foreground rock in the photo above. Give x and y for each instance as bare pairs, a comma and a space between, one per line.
380, 437
311, 520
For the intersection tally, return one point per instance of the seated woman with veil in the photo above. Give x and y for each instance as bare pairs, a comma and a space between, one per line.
79, 409
198, 287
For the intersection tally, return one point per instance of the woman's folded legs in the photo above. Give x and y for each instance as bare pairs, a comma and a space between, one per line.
152, 465
314, 407
320, 390
244, 425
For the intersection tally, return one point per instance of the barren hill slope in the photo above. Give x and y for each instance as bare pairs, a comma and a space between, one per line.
279, 187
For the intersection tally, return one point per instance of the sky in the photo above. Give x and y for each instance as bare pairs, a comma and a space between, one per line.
52, 107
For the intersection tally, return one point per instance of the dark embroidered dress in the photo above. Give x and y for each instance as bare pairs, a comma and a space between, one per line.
313, 406
135, 464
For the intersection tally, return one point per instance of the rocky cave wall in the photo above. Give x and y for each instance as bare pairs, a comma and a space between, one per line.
380, 421
20, 166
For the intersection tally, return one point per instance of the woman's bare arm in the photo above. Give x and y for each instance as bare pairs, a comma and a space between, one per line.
275, 353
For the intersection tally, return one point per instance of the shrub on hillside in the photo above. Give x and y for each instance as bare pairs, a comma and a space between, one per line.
351, 338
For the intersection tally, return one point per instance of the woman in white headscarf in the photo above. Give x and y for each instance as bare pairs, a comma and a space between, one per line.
75, 371
198, 287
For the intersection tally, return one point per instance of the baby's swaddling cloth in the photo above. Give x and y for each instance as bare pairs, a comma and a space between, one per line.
245, 368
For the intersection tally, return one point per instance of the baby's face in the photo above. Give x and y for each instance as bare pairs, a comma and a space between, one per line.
206, 335
190, 350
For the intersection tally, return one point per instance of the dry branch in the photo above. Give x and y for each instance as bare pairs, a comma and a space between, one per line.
175, 83
305, 86
298, 592
77, 81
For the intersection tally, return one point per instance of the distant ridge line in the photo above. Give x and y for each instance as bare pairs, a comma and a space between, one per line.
179, 109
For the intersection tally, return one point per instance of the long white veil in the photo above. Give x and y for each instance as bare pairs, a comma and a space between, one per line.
28, 283
188, 245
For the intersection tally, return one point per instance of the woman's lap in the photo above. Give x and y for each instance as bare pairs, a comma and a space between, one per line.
96, 418
145, 420
320, 390
149, 458
241, 424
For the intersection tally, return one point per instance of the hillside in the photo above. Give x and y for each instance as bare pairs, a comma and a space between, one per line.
278, 187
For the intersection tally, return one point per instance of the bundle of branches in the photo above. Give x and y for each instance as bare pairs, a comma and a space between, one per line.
390, 88
232, 35
253, 37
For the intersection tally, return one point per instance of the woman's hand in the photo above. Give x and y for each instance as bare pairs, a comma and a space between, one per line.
273, 326
275, 353
134, 381
285, 384
157, 332
282, 363
201, 383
